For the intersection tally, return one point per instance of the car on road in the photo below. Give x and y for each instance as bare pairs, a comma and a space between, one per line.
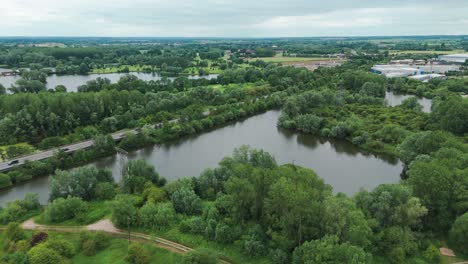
65, 149
13, 162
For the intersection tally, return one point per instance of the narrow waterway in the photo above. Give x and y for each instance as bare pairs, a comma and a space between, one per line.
339, 163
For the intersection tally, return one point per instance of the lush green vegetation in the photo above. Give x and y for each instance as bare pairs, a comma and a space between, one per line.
249, 209
22, 247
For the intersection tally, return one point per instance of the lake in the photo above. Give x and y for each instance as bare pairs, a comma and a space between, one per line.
394, 99
339, 163
72, 82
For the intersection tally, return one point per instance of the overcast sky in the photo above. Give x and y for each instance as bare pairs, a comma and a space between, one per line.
234, 18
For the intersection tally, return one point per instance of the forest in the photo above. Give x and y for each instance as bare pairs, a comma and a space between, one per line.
249, 208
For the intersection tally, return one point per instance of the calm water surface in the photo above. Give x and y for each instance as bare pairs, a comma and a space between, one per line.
72, 82
339, 163
394, 99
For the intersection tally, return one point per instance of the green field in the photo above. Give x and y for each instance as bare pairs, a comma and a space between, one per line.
115, 69
281, 59
117, 251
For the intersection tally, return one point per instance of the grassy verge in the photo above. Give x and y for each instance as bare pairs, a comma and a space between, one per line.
97, 210
280, 59
117, 251
115, 69
230, 252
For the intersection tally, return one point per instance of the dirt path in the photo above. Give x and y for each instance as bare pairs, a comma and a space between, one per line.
107, 226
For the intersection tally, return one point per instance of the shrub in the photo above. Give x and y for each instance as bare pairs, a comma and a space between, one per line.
64, 209
14, 232
91, 243
458, 235
137, 254
200, 256
38, 238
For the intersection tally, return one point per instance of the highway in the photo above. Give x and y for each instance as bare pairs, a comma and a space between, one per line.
10, 164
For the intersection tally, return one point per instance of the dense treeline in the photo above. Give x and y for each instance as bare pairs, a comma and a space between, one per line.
26, 117
430, 145
281, 213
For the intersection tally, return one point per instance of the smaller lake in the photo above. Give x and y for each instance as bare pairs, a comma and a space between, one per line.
72, 82
394, 99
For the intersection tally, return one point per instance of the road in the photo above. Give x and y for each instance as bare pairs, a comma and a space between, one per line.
10, 164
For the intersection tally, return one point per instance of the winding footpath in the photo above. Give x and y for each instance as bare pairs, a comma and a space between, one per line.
107, 226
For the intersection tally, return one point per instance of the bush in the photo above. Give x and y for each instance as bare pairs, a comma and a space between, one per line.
5, 181
91, 243
186, 201
137, 254
157, 216
200, 256
458, 235
63, 247
254, 248
14, 232
38, 238
64, 209
104, 191
40, 254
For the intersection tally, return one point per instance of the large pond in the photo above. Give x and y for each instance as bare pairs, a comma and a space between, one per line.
339, 163
72, 82
394, 99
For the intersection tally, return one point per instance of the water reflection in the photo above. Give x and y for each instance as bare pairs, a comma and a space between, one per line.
72, 82
339, 163
394, 99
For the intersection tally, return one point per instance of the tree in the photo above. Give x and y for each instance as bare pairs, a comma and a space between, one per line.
441, 188
27, 86
412, 103
458, 235
432, 255
104, 145
137, 254
63, 247
200, 256
452, 114
328, 250
2, 89
293, 206
60, 89
342, 218
104, 191
157, 216
420, 143
186, 201
124, 213
40, 254
62, 209
80, 182
391, 205
153, 193
309, 123
373, 89
14, 232
136, 173
396, 243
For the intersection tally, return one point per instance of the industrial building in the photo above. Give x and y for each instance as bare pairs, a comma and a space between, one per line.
454, 58
396, 70
427, 77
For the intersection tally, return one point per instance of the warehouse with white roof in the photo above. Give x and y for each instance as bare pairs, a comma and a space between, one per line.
455, 58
